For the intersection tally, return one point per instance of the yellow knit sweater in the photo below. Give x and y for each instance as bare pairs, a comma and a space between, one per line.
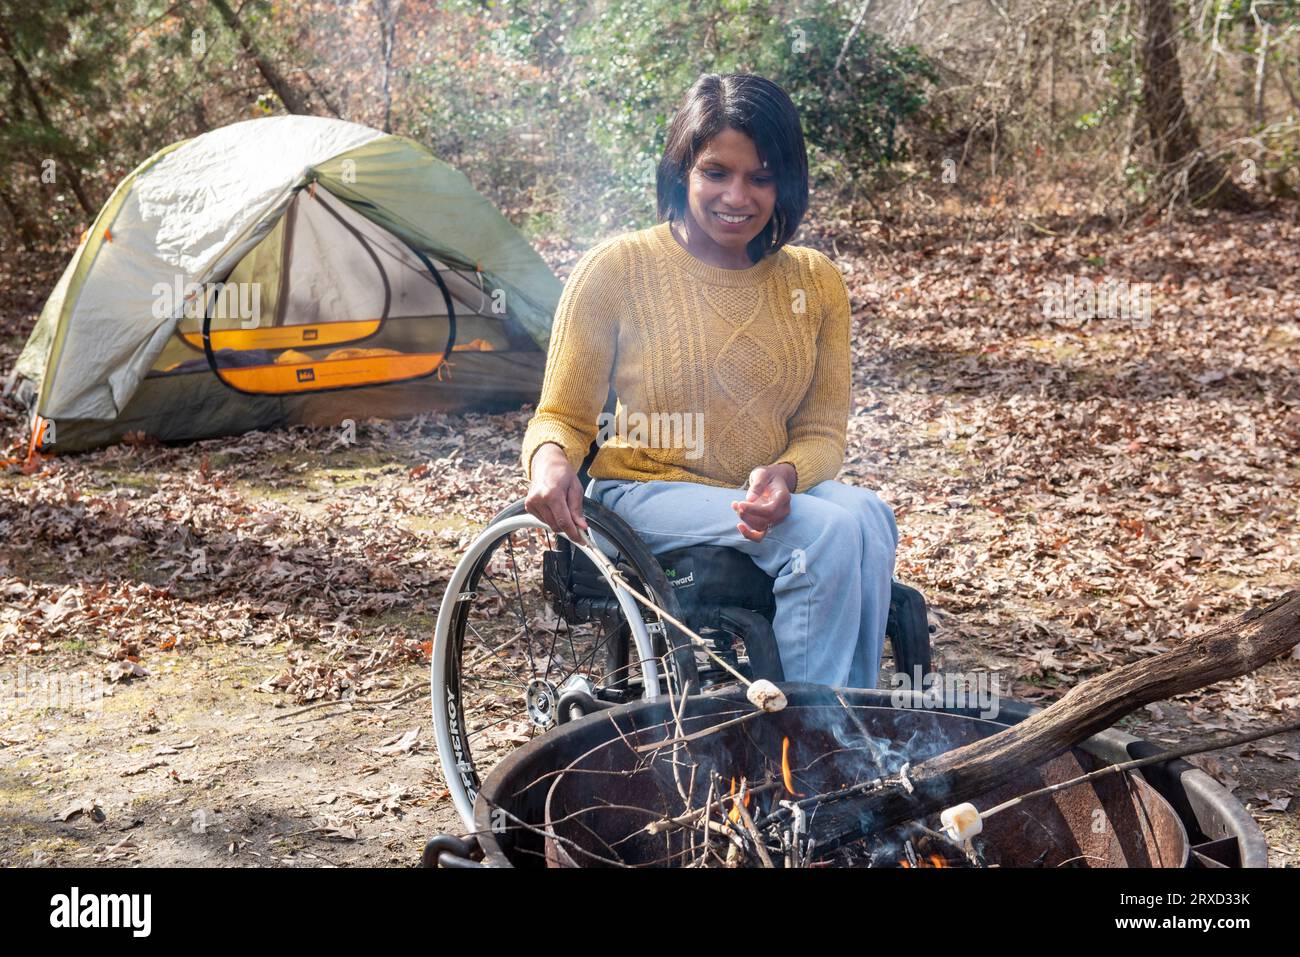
717, 371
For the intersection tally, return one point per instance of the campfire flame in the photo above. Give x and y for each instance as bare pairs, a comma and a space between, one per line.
734, 814
786, 776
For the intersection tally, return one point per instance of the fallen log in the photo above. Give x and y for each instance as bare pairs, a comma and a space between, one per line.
1229, 651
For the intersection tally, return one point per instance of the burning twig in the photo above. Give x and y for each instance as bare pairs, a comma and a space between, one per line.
828, 797
965, 847
910, 851
692, 818
708, 814
794, 835
749, 825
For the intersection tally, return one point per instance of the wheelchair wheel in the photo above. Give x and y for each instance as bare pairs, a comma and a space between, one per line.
530, 635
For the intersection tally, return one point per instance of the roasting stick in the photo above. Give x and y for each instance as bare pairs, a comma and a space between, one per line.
696, 735
964, 821
693, 818
748, 821
762, 694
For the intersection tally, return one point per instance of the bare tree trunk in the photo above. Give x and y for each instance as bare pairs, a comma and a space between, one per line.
848, 39
1134, 104
27, 230
1261, 65
386, 12
1051, 87
42, 114
1247, 60
324, 97
292, 101
1181, 162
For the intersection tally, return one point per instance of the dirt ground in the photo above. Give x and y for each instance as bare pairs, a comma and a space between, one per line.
1072, 495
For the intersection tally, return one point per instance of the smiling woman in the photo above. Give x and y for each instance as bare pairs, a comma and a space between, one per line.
731, 198
713, 317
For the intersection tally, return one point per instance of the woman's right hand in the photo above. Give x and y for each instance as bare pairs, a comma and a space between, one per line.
555, 495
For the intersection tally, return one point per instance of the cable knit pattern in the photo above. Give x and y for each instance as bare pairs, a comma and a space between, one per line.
676, 335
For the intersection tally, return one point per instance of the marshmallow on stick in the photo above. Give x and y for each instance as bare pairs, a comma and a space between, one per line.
764, 695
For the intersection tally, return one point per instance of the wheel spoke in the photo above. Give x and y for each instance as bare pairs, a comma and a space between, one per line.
488, 727
514, 568
523, 617
550, 651
497, 681
590, 658
492, 653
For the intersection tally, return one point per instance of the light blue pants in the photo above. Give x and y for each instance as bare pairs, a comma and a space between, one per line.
832, 558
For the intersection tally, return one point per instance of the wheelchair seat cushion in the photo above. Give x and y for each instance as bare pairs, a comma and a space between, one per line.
714, 576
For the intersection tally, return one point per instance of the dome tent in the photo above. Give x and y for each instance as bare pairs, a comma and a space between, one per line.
290, 269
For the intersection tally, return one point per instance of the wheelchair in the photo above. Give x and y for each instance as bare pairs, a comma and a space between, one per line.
531, 635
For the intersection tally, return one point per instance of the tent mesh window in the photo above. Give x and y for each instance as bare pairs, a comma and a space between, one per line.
331, 300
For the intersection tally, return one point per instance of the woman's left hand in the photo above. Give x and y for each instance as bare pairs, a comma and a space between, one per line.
767, 504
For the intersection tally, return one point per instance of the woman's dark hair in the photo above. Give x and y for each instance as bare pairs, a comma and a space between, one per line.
762, 111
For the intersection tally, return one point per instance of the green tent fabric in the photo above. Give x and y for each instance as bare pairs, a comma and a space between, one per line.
104, 359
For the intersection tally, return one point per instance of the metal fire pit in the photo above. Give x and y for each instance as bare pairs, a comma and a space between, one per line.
528, 814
